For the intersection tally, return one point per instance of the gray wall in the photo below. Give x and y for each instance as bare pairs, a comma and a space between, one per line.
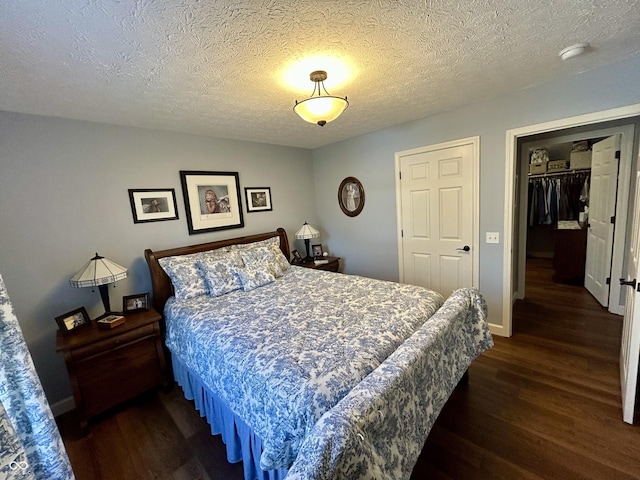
63, 197
368, 242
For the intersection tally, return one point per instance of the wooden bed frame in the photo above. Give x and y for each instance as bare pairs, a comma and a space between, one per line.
160, 282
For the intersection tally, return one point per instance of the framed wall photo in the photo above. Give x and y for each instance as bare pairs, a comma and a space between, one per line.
258, 199
351, 196
134, 303
212, 200
153, 204
73, 320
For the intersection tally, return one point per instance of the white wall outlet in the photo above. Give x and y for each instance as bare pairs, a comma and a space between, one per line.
493, 237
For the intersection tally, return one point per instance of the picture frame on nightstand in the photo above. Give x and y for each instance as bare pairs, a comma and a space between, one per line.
317, 251
73, 320
135, 303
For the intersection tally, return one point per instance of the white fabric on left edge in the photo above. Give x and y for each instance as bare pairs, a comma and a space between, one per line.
31, 444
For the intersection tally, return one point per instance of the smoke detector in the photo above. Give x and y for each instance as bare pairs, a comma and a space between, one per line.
573, 51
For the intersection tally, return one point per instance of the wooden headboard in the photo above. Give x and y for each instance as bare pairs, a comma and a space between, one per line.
160, 282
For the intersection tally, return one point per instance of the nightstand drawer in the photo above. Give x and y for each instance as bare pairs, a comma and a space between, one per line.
113, 376
113, 342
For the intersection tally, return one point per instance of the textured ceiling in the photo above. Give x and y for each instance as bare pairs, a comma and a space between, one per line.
216, 67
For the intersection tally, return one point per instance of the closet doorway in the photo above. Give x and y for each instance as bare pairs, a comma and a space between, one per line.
562, 235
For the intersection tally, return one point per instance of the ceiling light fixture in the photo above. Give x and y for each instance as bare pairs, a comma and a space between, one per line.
320, 109
573, 51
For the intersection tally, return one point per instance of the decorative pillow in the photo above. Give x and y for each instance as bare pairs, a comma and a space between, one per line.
185, 276
252, 276
188, 281
280, 259
262, 257
221, 273
261, 243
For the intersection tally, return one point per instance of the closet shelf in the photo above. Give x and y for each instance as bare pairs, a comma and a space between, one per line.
563, 172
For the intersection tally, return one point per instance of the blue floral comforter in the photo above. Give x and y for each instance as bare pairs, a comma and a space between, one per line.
378, 429
283, 354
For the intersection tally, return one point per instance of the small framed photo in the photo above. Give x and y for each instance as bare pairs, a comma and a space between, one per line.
297, 258
135, 303
73, 320
317, 250
153, 204
258, 199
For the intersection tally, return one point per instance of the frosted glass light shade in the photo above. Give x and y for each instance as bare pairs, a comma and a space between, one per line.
321, 109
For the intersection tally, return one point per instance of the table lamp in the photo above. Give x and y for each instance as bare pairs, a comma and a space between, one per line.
305, 233
99, 272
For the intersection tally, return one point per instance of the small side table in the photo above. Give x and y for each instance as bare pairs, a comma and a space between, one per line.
333, 264
109, 366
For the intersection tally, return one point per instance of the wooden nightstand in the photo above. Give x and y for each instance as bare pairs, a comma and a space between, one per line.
109, 366
332, 266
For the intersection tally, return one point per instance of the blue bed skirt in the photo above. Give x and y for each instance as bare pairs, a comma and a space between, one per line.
242, 444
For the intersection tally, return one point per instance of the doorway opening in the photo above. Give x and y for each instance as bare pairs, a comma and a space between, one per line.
628, 114
566, 214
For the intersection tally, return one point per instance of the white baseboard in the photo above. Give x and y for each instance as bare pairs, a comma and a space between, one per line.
498, 330
63, 406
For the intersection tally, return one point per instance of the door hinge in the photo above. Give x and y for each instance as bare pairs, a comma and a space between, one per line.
613, 219
400, 175
618, 154
401, 233
608, 281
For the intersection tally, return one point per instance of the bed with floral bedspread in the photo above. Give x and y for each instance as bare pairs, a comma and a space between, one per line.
287, 362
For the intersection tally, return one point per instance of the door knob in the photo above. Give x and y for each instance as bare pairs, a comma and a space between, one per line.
466, 248
631, 283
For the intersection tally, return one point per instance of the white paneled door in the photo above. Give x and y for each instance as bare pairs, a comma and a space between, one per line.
602, 211
438, 216
630, 349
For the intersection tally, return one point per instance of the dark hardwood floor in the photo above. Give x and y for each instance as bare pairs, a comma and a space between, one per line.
543, 404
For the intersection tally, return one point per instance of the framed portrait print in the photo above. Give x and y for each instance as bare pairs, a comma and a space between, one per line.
297, 258
73, 320
351, 196
134, 303
258, 199
212, 200
153, 204
317, 251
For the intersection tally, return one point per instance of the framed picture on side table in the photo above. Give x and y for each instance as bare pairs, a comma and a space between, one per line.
73, 320
317, 251
135, 303
297, 258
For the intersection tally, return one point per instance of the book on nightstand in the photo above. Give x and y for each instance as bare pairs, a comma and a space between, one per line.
321, 261
110, 321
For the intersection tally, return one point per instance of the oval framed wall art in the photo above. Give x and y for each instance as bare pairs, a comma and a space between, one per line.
351, 196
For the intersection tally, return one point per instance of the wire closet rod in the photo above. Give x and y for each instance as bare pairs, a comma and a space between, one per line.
555, 174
